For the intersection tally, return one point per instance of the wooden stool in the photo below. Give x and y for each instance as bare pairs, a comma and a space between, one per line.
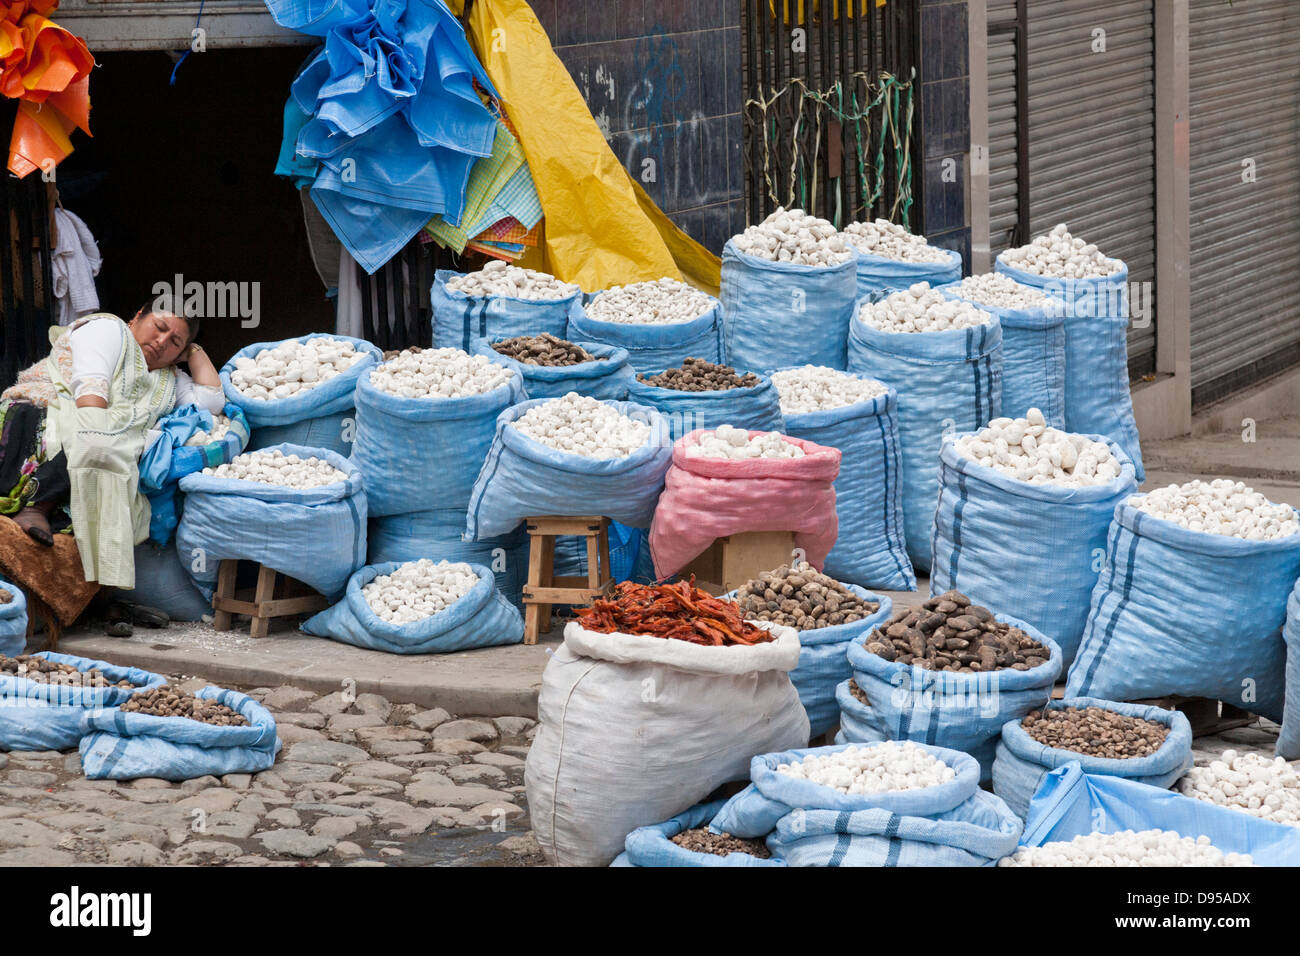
731, 561
544, 589
295, 598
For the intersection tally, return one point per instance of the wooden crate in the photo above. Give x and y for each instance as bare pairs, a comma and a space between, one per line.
731, 561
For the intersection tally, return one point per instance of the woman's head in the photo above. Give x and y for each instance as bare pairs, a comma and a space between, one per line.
162, 335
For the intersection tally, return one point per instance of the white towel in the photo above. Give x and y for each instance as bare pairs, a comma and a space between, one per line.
75, 264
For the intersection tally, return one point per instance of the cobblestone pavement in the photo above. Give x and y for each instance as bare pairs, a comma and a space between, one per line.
360, 782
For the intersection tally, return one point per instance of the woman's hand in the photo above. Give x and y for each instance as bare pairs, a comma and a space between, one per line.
201, 368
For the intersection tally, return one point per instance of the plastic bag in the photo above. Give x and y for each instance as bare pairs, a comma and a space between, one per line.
459, 320
881, 274
605, 378
808, 824
1022, 762
162, 581
124, 746
13, 620
482, 618
946, 381
1034, 549
1159, 622
757, 407
709, 498
1097, 399
522, 477
317, 536
1071, 803
654, 346
421, 454
1288, 742
316, 418
776, 314
871, 550
436, 535
824, 663
653, 845
1033, 357
40, 716
964, 711
635, 729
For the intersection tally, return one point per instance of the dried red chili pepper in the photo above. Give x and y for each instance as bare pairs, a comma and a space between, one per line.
678, 611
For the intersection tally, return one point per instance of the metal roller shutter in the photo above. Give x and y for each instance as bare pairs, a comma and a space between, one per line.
1244, 63
1091, 133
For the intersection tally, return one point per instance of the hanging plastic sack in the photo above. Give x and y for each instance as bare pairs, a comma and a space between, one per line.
654, 846
13, 619
1288, 742
629, 554
320, 417
709, 498
1011, 544
35, 715
824, 664
654, 346
1023, 762
946, 381
162, 581
881, 274
169, 459
1071, 803
460, 320
116, 745
419, 454
964, 711
635, 729
757, 407
776, 314
317, 535
436, 535
522, 477
1033, 357
809, 824
482, 618
1097, 398
871, 550
605, 378
1159, 623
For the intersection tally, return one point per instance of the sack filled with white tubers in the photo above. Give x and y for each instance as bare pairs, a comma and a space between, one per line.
1022, 516
950, 379
499, 302
423, 450
570, 456
859, 416
875, 804
788, 287
890, 257
420, 607
660, 323
282, 514
1160, 621
1288, 742
299, 391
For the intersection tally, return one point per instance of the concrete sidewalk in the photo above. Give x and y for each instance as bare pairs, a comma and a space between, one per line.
502, 681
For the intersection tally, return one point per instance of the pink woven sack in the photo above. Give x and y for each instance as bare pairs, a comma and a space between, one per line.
708, 498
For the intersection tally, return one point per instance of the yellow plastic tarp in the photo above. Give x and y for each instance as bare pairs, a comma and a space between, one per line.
601, 228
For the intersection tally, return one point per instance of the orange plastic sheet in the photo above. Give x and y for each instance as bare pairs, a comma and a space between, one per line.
47, 69
600, 228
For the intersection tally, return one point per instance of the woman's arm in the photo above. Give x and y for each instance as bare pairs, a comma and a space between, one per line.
201, 368
96, 346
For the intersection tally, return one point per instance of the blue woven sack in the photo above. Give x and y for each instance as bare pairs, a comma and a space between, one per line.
871, 550
879, 274
35, 715
423, 454
1288, 742
1011, 545
657, 345
653, 845
763, 302
1022, 762
459, 320
117, 745
1150, 631
317, 536
1097, 399
606, 377
757, 407
13, 620
162, 582
946, 381
808, 824
1071, 803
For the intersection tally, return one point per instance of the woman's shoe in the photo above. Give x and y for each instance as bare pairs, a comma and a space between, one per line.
119, 621
36, 525
145, 616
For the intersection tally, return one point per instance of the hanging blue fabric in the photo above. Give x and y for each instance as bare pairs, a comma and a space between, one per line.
186, 55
